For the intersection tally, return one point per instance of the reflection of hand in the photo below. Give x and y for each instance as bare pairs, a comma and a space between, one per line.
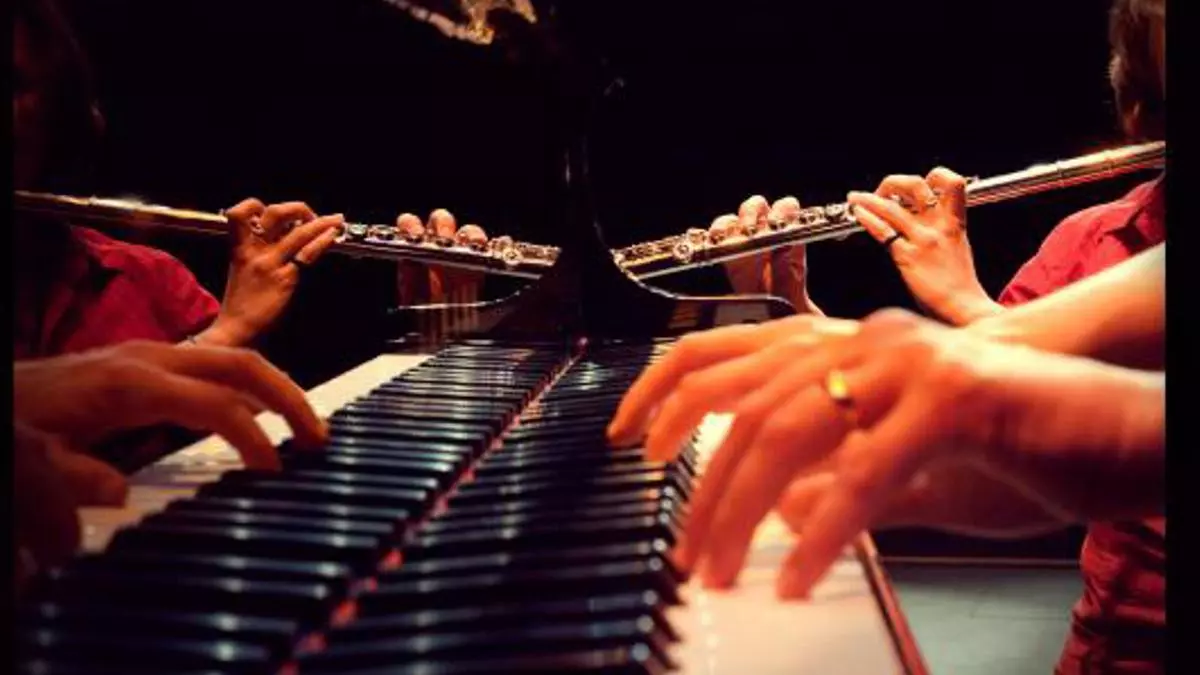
49, 484
781, 272
421, 284
271, 245
958, 497
84, 398
925, 400
928, 243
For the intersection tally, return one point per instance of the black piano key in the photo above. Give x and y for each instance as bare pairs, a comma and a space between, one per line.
343, 477
276, 634
443, 429
361, 415
465, 393
531, 560
470, 493
336, 575
560, 501
509, 462
306, 603
636, 660
469, 378
360, 553
111, 646
486, 616
400, 448
412, 501
489, 647
404, 403
50, 666
583, 419
585, 474
336, 461
443, 525
537, 536
343, 432
505, 462
240, 518
399, 517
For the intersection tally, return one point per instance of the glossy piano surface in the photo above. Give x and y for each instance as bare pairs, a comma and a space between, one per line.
849, 626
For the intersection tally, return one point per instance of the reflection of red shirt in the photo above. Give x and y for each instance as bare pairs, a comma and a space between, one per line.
113, 292
1119, 625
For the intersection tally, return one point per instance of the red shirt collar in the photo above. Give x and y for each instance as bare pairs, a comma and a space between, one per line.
1146, 206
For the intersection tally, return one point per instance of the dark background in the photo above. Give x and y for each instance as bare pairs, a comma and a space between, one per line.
353, 107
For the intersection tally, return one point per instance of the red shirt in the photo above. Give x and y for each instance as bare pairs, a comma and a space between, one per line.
1119, 625
112, 292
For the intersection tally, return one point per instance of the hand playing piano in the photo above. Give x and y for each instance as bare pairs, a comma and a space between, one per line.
923, 224
49, 483
84, 398
426, 284
882, 409
782, 272
271, 247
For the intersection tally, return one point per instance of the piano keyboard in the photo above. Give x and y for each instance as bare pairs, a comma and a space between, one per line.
466, 517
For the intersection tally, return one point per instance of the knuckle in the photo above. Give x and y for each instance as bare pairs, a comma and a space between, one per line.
690, 387
893, 318
858, 479
776, 430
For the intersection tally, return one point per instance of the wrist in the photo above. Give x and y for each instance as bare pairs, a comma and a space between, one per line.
223, 333
967, 308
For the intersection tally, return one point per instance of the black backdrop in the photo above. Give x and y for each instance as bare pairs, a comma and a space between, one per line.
354, 108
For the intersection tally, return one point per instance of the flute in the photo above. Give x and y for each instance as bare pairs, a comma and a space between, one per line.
694, 248
698, 247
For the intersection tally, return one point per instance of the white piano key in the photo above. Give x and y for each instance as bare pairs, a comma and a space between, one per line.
182, 473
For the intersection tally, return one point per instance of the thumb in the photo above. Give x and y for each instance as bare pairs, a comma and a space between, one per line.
90, 481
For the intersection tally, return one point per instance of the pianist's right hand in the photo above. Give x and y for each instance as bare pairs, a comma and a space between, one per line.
84, 398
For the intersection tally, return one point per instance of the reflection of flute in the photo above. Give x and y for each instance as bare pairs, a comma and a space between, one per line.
501, 255
694, 248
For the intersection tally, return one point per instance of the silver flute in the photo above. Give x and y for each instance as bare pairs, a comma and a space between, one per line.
694, 248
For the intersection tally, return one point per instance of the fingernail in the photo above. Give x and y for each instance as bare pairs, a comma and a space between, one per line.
113, 492
791, 585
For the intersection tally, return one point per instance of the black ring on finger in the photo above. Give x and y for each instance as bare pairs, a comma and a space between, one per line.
300, 264
887, 243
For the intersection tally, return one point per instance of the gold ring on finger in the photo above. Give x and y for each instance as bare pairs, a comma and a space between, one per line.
838, 390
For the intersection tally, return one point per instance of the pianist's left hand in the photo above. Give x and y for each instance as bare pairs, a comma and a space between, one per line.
49, 483
84, 398
918, 397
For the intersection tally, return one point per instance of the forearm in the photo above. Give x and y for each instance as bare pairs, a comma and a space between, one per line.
1116, 316
1094, 449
